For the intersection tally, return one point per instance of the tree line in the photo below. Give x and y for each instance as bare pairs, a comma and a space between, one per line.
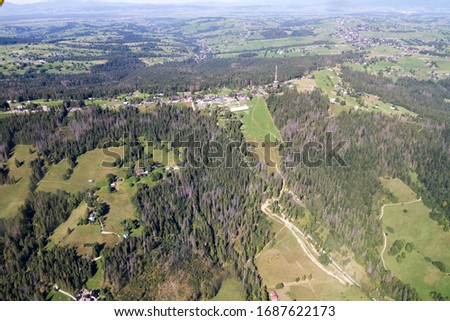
125, 72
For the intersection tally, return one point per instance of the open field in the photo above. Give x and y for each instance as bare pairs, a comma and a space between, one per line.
399, 189
120, 207
408, 66
304, 84
96, 281
258, 122
12, 196
5, 115
83, 236
271, 158
89, 166
283, 261
383, 51
164, 158
57, 296
329, 81
231, 290
411, 223
119, 201
60, 234
80, 236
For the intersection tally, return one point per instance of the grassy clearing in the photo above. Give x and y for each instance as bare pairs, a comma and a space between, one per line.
383, 51
60, 234
119, 202
270, 158
13, 196
415, 65
57, 296
90, 166
326, 79
81, 236
330, 82
5, 115
305, 84
258, 121
120, 207
164, 158
283, 261
400, 190
411, 223
85, 235
231, 290
96, 282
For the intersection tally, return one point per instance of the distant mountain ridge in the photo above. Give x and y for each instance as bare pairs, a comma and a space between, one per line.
319, 7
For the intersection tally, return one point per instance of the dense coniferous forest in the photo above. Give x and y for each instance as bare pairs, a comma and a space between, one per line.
126, 73
426, 98
29, 269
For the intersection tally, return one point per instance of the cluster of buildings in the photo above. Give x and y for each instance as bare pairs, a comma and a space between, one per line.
203, 51
353, 35
87, 295
219, 101
142, 172
27, 107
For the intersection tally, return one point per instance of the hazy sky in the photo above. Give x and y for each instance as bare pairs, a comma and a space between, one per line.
426, 3
135, 1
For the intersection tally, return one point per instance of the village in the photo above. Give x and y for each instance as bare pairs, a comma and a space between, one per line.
234, 102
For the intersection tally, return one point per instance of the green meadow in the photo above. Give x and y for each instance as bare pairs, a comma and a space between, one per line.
90, 166
13, 196
283, 261
258, 121
230, 290
411, 223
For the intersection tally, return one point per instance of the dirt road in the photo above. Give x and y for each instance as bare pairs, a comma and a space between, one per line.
384, 234
331, 269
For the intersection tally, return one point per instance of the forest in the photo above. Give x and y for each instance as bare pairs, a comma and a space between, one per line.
124, 72
205, 215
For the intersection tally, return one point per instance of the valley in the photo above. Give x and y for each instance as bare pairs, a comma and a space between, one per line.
226, 158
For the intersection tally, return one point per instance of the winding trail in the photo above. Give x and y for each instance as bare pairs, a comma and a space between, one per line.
396, 204
384, 234
332, 269
384, 249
